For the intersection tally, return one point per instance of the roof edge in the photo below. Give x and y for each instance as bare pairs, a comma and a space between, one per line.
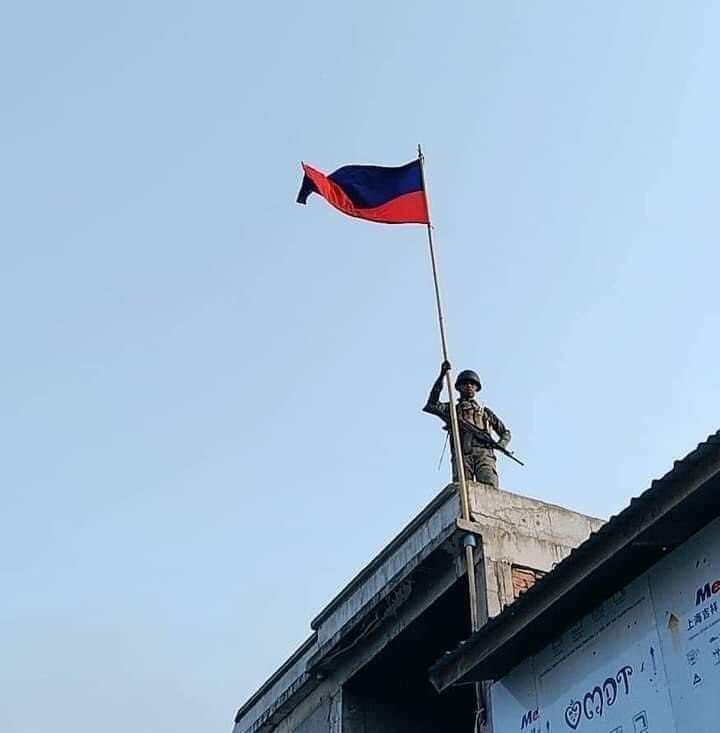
665, 495
386, 552
275, 676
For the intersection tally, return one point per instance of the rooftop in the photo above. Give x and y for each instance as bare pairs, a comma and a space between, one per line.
675, 507
395, 617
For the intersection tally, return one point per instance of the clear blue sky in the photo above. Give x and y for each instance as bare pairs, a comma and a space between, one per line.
210, 405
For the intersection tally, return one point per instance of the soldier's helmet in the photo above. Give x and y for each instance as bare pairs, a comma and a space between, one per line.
468, 375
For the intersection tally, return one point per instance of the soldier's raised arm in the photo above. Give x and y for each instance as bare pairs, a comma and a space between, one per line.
433, 404
499, 427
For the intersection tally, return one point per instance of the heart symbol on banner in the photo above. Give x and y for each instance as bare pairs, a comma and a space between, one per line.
573, 712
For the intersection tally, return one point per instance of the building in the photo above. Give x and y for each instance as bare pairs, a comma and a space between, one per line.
623, 636
365, 666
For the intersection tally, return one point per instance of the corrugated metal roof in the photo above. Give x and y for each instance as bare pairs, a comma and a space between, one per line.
495, 654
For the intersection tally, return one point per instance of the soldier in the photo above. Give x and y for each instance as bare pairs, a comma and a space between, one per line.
478, 457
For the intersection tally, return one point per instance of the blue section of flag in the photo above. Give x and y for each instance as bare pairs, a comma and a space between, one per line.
375, 193
368, 186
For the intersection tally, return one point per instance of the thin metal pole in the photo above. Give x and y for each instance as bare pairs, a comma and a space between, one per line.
454, 428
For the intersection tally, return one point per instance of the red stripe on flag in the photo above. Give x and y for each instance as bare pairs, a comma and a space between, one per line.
410, 208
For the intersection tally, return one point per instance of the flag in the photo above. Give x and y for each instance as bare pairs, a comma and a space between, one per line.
376, 193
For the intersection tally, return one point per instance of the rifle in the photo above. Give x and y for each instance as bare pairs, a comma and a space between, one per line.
487, 439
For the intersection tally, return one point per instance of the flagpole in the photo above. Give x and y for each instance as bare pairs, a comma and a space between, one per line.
454, 428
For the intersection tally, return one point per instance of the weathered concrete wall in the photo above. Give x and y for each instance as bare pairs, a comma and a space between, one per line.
327, 718
320, 712
332, 687
297, 685
517, 530
390, 571
279, 691
306, 696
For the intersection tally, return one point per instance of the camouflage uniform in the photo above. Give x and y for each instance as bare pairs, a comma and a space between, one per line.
479, 460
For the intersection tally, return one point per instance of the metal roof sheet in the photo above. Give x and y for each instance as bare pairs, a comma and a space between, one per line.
669, 511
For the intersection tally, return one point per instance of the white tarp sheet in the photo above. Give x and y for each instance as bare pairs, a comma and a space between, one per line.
646, 660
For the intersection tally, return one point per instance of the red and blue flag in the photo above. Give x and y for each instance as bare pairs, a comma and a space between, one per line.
376, 193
